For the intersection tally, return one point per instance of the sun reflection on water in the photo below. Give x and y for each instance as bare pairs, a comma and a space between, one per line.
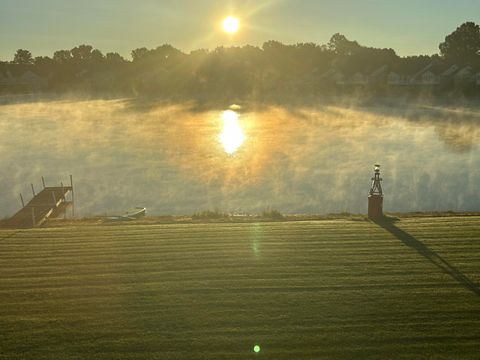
232, 136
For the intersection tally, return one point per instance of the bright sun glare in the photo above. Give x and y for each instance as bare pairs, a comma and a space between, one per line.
231, 136
230, 24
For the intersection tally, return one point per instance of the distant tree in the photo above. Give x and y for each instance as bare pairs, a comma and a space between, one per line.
462, 45
23, 57
114, 58
82, 53
367, 59
43, 61
311, 57
273, 45
165, 54
96, 57
199, 52
165, 49
62, 56
274, 71
44, 65
281, 58
340, 45
139, 54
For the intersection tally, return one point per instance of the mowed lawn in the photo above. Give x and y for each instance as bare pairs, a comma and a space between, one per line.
299, 290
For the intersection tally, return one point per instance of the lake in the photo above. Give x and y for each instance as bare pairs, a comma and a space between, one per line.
180, 159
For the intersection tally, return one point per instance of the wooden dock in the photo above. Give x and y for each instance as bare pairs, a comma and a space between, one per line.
50, 202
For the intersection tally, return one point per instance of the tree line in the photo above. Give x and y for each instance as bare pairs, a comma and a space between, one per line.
274, 69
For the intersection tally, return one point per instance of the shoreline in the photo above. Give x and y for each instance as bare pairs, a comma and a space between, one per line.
244, 219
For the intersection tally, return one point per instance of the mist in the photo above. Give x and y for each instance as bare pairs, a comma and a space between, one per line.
168, 157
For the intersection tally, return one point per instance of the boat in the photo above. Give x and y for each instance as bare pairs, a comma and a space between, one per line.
132, 214
135, 213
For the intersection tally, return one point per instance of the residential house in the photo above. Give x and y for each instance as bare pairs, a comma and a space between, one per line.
433, 74
358, 79
450, 71
425, 76
30, 79
20, 79
333, 76
379, 75
328, 74
6, 78
464, 75
396, 79
408, 74
339, 78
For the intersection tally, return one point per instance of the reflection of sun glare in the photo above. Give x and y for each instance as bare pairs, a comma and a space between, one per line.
230, 24
232, 136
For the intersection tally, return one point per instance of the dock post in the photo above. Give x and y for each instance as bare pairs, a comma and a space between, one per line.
73, 196
54, 199
33, 190
33, 216
21, 199
43, 182
63, 191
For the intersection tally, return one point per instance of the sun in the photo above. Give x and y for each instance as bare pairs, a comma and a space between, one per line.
230, 24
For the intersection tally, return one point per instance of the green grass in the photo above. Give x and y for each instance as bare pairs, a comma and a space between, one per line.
299, 290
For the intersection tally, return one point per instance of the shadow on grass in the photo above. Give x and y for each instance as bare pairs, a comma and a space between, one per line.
389, 225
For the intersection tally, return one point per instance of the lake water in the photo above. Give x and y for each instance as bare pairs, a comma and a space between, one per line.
174, 159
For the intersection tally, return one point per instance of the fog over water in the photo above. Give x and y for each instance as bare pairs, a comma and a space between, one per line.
169, 158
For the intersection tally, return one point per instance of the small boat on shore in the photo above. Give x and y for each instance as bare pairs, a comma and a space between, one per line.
136, 213
132, 214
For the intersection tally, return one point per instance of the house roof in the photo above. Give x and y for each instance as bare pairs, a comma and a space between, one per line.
410, 65
19, 75
329, 73
29, 75
417, 68
379, 71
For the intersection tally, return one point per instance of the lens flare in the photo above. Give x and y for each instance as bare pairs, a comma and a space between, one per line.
232, 136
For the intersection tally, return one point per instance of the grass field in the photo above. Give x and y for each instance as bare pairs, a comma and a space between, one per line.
299, 290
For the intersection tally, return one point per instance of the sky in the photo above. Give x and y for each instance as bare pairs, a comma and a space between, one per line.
410, 27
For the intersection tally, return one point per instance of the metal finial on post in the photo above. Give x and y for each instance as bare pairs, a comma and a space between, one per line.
376, 188
43, 182
21, 199
33, 190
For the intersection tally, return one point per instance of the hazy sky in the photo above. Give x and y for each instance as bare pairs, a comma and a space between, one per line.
408, 26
